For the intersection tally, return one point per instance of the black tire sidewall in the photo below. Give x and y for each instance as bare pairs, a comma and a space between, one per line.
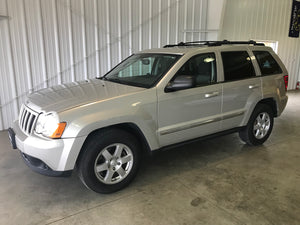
261, 108
91, 149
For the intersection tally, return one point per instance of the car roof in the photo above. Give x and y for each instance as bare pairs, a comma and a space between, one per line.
172, 50
181, 50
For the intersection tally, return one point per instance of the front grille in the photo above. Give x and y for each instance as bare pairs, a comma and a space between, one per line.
27, 119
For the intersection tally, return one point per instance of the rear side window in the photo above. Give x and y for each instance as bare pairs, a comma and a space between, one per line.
267, 64
237, 65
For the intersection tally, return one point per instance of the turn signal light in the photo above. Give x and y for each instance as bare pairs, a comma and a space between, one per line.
59, 130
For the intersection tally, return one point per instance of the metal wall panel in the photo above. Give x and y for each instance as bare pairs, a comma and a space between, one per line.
264, 20
44, 43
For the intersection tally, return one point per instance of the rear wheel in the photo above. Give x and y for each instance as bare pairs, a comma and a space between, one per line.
109, 160
259, 127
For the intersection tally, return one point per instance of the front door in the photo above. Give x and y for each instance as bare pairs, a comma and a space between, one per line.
193, 112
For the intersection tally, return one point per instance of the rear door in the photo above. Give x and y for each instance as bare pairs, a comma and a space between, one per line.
241, 87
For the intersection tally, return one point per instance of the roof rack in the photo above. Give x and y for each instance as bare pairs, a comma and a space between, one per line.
215, 43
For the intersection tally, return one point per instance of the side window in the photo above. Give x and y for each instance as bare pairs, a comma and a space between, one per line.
202, 67
237, 65
267, 64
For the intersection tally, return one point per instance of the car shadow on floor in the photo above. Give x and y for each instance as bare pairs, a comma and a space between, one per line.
173, 162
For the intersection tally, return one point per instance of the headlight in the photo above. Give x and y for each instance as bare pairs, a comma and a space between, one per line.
49, 125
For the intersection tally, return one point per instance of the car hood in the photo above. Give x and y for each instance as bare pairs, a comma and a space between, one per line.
66, 96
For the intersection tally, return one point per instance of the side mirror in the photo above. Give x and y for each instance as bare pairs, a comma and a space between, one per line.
180, 83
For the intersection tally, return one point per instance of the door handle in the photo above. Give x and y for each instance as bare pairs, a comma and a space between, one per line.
254, 86
210, 95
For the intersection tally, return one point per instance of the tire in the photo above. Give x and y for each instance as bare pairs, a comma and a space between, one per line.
109, 160
259, 126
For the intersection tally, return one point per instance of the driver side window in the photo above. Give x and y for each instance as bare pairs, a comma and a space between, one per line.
202, 68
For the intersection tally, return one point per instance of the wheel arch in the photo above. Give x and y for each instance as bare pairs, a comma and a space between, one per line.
270, 102
128, 127
247, 134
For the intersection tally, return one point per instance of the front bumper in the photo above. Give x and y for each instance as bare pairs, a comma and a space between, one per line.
53, 157
34, 163
42, 168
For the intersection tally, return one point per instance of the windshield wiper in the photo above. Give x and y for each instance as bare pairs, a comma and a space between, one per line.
117, 80
101, 78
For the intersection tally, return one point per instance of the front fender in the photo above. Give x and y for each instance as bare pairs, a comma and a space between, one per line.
138, 110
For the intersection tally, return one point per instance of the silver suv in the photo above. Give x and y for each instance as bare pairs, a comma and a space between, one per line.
153, 99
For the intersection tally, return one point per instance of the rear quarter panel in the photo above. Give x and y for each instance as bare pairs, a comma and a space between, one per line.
273, 87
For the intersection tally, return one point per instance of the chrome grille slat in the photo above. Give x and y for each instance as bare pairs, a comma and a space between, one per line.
22, 114
31, 122
24, 118
27, 127
27, 119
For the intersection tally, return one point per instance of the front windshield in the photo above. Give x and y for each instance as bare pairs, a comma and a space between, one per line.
142, 70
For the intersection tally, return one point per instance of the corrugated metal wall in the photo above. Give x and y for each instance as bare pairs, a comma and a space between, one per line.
48, 42
264, 20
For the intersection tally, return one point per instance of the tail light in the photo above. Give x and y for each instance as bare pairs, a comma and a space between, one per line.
298, 85
286, 81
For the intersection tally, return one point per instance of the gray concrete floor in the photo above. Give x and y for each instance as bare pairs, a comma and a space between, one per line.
218, 181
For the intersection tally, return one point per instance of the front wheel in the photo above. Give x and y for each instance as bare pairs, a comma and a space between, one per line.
259, 127
109, 160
